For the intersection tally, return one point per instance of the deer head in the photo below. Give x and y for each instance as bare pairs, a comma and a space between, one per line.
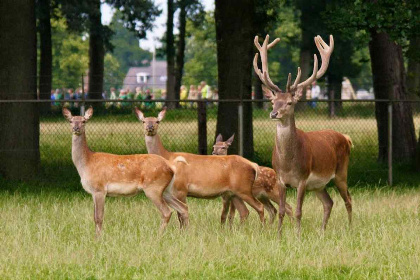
78, 122
150, 124
220, 148
284, 102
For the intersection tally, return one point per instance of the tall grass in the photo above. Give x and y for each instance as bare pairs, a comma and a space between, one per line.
51, 236
47, 230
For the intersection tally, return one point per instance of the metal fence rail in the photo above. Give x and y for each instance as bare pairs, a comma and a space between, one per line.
115, 129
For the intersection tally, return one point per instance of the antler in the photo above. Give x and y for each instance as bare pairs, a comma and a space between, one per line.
325, 52
264, 76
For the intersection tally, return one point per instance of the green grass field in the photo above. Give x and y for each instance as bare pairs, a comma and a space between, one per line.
47, 229
50, 235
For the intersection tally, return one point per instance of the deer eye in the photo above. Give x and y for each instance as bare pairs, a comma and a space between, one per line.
144, 122
158, 122
289, 103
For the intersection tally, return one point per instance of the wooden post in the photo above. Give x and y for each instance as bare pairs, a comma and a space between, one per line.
82, 107
390, 143
202, 127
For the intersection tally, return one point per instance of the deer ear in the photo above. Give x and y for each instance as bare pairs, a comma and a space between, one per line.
88, 113
67, 114
139, 114
267, 92
297, 94
219, 138
230, 140
162, 114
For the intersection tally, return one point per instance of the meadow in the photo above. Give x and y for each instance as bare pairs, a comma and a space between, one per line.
47, 229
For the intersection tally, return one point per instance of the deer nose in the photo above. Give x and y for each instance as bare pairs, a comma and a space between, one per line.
149, 127
273, 115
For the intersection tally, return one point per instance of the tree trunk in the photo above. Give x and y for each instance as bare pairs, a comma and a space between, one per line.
334, 92
170, 55
45, 67
389, 83
19, 122
96, 54
413, 69
179, 67
234, 34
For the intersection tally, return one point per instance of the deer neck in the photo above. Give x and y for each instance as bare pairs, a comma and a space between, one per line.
154, 146
80, 152
286, 138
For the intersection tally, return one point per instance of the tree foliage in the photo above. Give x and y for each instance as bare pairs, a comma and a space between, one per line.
399, 19
201, 52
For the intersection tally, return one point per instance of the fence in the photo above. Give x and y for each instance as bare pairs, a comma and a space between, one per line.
115, 129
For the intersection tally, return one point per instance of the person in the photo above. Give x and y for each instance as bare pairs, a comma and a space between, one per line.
199, 96
123, 96
183, 94
347, 91
130, 94
112, 94
315, 92
205, 91
57, 96
149, 96
216, 96
193, 96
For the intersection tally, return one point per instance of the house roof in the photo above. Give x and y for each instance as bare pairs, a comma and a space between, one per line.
132, 82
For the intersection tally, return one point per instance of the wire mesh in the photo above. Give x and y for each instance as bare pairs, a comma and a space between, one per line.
114, 128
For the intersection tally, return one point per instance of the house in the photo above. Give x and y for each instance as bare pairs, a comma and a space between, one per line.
143, 77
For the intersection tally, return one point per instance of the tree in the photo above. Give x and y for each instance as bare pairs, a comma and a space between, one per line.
45, 68
170, 55
127, 50
201, 52
86, 16
19, 122
193, 10
266, 14
234, 34
385, 22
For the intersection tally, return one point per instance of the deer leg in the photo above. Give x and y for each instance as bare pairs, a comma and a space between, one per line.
99, 207
272, 211
328, 203
180, 207
226, 202
344, 192
254, 203
274, 196
282, 205
300, 196
239, 204
156, 196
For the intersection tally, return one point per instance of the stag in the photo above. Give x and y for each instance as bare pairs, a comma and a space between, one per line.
306, 161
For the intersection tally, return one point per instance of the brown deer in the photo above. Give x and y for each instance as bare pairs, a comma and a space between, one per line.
265, 186
204, 176
104, 174
304, 160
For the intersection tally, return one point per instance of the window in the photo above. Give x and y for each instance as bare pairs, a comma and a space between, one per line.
142, 78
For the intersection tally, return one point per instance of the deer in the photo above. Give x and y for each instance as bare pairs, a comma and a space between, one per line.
205, 176
265, 187
104, 174
306, 161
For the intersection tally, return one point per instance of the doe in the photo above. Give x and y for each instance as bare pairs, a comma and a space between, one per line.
105, 174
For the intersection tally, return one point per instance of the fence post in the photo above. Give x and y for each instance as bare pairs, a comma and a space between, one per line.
82, 107
202, 128
390, 143
241, 128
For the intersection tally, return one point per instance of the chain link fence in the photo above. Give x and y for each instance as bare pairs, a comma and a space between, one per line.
114, 128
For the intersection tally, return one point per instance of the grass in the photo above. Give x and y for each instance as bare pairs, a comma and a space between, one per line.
47, 230
50, 235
